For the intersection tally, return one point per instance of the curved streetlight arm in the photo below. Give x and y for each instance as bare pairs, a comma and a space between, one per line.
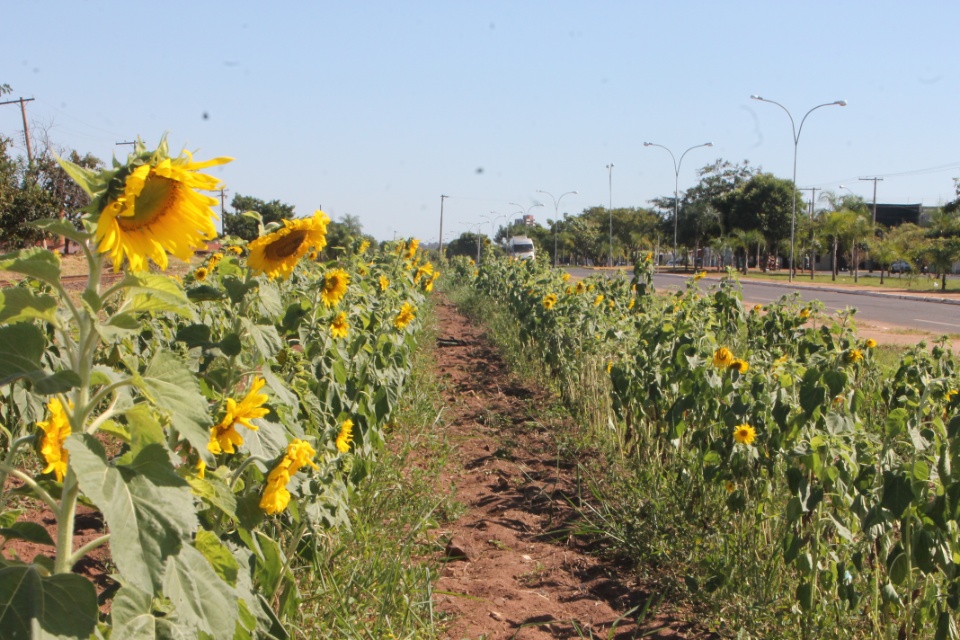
556, 214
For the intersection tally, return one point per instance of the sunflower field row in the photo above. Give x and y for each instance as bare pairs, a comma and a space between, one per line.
819, 488
218, 421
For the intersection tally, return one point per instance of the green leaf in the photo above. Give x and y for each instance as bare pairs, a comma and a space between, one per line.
200, 598
30, 531
265, 338
219, 557
174, 389
897, 493
896, 422
63, 605
85, 178
35, 262
154, 292
268, 441
215, 492
18, 304
147, 506
204, 293
133, 618
21, 349
62, 228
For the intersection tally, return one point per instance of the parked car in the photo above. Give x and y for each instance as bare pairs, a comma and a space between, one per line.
900, 266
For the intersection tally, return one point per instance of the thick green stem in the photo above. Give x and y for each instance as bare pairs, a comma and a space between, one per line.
37, 490
66, 515
87, 548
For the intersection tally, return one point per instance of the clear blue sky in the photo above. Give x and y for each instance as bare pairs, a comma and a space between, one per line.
377, 108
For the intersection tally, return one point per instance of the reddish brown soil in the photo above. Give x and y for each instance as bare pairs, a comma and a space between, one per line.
512, 569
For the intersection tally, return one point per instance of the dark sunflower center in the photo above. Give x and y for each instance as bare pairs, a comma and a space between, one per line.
158, 197
286, 246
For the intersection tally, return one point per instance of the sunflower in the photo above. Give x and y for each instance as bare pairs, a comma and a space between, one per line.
277, 253
722, 358
854, 355
363, 246
633, 301
55, 430
738, 365
549, 300
565, 277
804, 313
423, 270
224, 436
200, 274
428, 284
159, 211
334, 287
340, 327
699, 276
275, 495
384, 283
405, 316
744, 434
345, 437
870, 343
412, 249
235, 250
598, 300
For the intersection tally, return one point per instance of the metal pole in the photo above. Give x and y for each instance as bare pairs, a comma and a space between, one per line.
610, 169
556, 214
796, 143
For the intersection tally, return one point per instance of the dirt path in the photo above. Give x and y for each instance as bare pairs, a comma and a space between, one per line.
511, 570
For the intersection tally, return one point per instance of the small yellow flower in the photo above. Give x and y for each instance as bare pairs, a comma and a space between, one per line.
549, 300
224, 436
590, 287
870, 343
854, 355
950, 395
744, 434
237, 251
757, 308
730, 486
422, 271
428, 284
741, 366
275, 495
345, 437
648, 257
384, 283
214, 261
699, 276
565, 277
200, 274
804, 313
633, 301
598, 300
609, 366
581, 288
404, 317
55, 430
722, 358
340, 328
334, 287
363, 246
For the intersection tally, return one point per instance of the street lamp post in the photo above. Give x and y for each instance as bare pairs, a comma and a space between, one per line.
796, 142
610, 169
676, 187
556, 209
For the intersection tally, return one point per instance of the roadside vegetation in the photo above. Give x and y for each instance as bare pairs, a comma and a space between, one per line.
787, 477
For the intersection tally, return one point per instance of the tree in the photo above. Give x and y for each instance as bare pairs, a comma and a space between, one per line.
765, 203
345, 234
246, 228
469, 244
954, 205
943, 243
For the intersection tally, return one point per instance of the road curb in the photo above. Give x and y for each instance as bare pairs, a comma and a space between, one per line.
856, 292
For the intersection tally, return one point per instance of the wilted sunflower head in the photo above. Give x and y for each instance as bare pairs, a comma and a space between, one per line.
150, 206
738, 365
277, 253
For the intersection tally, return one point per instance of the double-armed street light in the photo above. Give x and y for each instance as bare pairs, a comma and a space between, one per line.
796, 141
556, 209
676, 186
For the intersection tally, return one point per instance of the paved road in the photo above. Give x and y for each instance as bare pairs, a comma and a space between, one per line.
876, 309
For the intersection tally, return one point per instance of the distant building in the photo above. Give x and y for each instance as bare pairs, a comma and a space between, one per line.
894, 215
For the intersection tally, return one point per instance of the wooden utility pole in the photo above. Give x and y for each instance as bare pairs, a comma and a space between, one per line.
875, 180
26, 127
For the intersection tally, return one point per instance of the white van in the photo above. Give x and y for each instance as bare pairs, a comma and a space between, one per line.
521, 248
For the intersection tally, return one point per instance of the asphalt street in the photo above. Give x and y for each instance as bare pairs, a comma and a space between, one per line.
879, 309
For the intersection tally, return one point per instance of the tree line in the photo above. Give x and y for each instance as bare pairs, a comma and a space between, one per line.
741, 217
